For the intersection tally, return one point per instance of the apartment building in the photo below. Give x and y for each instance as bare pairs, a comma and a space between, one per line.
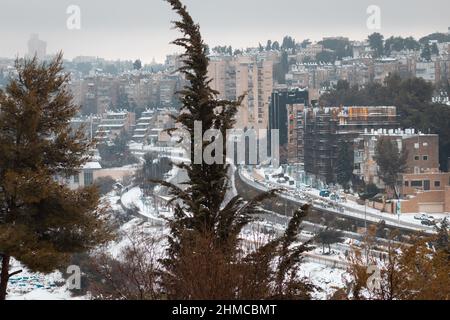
143, 126
325, 128
427, 70
383, 68
422, 152
113, 124
422, 186
89, 124
251, 75
36, 47
285, 112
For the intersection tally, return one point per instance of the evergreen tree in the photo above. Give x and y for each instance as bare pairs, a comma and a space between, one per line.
137, 65
153, 168
412, 44
376, 41
442, 238
345, 164
434, 49
329, 236
391, 162
340, 47
260, 47
42, 221
288, 43
426, 52
117, 153
276, 46
205, 230
230, 50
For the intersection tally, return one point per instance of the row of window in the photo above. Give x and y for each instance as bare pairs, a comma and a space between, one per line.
424, 158
424, 183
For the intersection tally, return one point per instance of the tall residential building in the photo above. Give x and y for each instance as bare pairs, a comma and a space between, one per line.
249, 75
37, 47
285, 112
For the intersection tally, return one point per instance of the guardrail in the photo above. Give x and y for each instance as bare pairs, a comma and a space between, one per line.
326, 261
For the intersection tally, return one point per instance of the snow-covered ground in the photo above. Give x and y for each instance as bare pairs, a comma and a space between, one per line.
35, 286
326, 278
146, 205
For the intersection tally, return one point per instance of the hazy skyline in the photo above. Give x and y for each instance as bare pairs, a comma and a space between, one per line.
142, 28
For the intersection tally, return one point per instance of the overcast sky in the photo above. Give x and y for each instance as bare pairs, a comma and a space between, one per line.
130, 29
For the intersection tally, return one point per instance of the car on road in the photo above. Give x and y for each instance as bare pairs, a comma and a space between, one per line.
324, 193
335, 197
428, 222
421, 217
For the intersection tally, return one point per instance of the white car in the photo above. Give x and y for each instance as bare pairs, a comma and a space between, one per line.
421, 217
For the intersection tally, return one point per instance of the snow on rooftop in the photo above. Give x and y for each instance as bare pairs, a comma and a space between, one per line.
395, 133
92, 165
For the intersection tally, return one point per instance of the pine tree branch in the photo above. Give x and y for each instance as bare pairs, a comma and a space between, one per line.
14, 273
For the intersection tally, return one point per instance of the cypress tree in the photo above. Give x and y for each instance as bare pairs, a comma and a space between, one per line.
204, 256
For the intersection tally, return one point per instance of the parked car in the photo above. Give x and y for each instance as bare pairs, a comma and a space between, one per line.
421, 217
335, 197
428, 222
324, 193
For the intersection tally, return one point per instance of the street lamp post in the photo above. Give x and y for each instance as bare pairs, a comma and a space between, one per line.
365, 216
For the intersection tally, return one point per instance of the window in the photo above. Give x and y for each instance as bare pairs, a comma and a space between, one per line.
425, 158
76, 178
417, 158
88, 178
425, 144
437, 184
416, 146
406, 183
416, 183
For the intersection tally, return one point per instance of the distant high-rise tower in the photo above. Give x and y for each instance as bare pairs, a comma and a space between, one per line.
37, 47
